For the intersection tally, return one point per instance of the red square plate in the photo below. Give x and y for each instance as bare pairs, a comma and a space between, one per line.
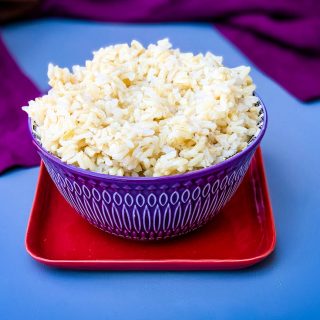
241, 235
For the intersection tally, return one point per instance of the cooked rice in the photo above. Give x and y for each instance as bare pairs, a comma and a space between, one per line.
135, 111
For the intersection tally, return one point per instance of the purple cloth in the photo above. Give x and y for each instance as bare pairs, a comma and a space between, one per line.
281, 37
15, 91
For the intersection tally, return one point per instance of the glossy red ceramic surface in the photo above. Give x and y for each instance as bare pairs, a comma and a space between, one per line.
242, 234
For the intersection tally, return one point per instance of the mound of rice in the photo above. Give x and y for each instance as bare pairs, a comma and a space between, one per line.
153, 111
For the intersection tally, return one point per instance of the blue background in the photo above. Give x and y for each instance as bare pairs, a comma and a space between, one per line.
287, 285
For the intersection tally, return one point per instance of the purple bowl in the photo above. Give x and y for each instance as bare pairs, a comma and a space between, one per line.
147, 208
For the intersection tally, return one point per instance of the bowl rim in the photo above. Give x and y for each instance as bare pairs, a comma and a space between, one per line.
180, 176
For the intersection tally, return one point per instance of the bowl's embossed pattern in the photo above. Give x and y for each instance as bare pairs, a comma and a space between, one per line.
162, 212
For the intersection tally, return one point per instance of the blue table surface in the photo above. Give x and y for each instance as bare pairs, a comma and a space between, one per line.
287, 285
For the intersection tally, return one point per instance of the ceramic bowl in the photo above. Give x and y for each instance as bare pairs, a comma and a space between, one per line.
149, 208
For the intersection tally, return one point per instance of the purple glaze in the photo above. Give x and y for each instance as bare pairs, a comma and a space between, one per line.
149, 208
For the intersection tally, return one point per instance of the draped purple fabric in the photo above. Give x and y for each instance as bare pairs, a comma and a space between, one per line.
281, 37
15, 91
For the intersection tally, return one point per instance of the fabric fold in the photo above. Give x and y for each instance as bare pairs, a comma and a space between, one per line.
281, 37
297, 72
16, 90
